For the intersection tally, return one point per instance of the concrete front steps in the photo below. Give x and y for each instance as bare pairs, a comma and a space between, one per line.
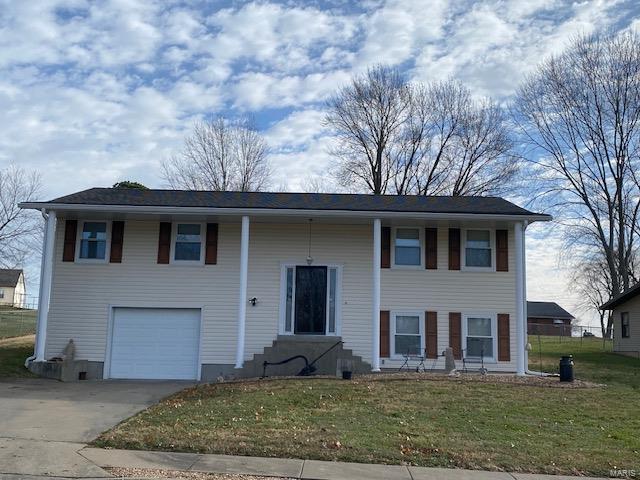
310, 346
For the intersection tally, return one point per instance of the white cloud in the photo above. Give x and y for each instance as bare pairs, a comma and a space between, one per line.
93, 92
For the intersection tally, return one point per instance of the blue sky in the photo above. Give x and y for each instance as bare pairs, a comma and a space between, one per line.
94, 92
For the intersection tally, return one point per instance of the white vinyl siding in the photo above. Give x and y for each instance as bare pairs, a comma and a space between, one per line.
83, 293
445, 291
630, 344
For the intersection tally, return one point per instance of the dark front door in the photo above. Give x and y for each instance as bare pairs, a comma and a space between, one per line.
311, 300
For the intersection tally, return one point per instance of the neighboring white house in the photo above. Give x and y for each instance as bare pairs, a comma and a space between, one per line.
626, 321
12, 288
188, 284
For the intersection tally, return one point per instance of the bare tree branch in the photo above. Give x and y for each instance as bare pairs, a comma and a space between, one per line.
220, 155
580, 113
19, 229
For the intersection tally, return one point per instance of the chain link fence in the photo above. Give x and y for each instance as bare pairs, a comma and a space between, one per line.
18, 320
566, 333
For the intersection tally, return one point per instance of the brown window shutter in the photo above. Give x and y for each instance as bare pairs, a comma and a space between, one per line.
431, 331
385, 340
70, 232
431, 248
211, 252
117, 237
385, 254
164, 242
504, 343
454, 249
502, 250
455, 334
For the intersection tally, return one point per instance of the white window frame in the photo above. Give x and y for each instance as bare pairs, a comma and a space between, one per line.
494, 335
1, 293
392, 330
107, 248
492, 243
283, 298
393, 247
174, 237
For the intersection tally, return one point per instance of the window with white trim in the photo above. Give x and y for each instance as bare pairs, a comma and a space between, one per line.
188, 242
1, 293
407, 332
93, 241
478, 249
480, 333
407, 247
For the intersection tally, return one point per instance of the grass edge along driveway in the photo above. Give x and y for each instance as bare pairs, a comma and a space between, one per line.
427, 422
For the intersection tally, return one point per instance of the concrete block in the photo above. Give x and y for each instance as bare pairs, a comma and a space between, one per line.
423, 473
274, 467
317, 470
139, 459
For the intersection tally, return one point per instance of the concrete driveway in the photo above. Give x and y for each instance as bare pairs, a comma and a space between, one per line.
44, 423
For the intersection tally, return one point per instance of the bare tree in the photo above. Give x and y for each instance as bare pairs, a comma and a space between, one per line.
580, 112
591, 281
19, 229
366, 116
404, 138
220, 155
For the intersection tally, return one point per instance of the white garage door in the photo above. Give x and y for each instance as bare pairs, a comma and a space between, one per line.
155, 343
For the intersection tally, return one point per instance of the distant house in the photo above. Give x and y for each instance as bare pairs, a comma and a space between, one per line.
548, 318
626, 321
12, 288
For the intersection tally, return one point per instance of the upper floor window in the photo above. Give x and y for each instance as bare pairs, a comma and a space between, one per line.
478, 249
1, 293
93, 241
624, 322
407, 247
188, 242
479, 337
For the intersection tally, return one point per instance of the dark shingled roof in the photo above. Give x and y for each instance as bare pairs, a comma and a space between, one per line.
547, 310
628, 294
9, 278
297, 201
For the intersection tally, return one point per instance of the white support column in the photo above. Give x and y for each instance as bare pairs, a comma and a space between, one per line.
521, 320
525, 224
46, 270
242, 297
375, 316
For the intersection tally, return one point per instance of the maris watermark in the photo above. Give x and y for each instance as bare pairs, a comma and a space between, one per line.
624, 473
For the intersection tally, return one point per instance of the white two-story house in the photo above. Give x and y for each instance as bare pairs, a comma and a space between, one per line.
198, 285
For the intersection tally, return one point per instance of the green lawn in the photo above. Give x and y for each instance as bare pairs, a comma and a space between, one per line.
13, 353
17, 322
479, 424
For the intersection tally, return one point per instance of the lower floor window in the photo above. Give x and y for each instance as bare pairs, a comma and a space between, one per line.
407, 334
480, 339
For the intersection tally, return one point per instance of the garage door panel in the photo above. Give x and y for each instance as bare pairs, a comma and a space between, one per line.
154, 343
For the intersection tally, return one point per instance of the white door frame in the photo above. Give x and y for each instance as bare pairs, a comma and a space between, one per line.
106, 368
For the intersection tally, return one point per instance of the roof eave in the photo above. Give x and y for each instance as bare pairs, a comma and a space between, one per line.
165, 210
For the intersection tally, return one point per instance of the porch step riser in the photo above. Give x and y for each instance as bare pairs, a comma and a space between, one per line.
281, 350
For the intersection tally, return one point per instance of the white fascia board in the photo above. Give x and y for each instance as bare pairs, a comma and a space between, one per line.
161, 210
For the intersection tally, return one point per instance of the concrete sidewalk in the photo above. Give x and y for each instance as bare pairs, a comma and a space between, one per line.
290, 468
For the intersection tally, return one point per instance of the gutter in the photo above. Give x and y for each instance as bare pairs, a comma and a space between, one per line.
304, 213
